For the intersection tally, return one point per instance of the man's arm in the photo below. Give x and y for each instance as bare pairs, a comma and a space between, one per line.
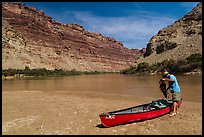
167, 79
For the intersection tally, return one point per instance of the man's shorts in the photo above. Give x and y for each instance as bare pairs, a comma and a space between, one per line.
176, 96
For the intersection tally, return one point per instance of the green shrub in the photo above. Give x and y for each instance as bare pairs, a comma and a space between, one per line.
142, 67
194, 61
197, 57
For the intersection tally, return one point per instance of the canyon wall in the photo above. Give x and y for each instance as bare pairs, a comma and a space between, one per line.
31, 38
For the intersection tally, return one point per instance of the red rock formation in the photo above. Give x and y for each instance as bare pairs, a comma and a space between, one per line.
44, 43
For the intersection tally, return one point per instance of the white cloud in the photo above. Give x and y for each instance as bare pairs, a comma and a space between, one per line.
132, 31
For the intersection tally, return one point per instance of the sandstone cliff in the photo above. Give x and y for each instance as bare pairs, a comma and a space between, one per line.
177, 41
30, 38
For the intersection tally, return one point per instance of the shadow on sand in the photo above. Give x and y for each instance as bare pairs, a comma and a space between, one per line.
101, 126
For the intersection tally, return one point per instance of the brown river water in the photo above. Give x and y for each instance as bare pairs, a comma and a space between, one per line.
143, 85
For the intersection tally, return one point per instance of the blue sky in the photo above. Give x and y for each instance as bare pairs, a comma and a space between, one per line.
132, 23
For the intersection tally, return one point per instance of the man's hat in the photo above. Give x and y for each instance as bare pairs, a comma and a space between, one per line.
165, 74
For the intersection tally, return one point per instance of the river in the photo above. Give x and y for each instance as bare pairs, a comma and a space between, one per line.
143, 85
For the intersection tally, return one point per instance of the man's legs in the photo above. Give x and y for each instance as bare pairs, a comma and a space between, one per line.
175, 103
175, 107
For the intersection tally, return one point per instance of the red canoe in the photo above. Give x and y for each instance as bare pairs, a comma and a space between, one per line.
137, 113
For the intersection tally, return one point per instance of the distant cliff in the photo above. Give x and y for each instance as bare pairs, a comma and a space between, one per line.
177, 41
30, 38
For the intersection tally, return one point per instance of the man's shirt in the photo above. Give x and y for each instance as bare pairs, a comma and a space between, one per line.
173, 85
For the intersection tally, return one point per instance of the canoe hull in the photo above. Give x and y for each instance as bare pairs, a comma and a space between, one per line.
112, 119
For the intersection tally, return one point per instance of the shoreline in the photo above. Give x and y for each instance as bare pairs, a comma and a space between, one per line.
197, 73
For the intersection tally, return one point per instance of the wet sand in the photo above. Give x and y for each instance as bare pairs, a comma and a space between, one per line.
74, 113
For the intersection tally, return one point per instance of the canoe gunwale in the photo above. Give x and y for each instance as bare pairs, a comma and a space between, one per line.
111, 113
130, 108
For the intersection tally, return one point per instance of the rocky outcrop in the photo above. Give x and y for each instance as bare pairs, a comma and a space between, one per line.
30, 38
177, 41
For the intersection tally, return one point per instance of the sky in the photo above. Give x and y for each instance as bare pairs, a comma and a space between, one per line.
132, 23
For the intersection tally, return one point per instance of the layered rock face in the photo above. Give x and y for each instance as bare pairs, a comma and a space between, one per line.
30, 38
177, 41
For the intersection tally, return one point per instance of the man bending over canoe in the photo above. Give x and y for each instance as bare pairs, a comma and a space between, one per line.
174, 88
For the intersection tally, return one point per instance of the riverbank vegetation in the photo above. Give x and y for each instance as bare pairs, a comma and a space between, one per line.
27, 72
190, 64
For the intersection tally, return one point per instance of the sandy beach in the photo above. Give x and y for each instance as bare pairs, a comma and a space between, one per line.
71, 113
